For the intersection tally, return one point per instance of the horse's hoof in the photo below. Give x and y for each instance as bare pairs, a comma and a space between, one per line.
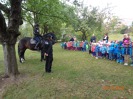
22, 60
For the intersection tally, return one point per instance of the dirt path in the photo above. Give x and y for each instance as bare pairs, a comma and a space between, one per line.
3, 83
6, 82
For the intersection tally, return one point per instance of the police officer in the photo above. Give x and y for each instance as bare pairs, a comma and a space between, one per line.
48, 52
93, 39
37, 35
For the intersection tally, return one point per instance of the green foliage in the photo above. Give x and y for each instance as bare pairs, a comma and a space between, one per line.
26, 31
123, 31
66, 39
88, 21
49, 14
67, 32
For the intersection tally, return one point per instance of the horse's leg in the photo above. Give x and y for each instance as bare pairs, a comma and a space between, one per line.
21, 56
21, 52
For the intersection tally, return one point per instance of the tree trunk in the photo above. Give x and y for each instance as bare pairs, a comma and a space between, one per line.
9, 34
10, 61
83, 36
45, 28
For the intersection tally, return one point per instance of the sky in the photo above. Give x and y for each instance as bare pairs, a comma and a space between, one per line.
121, 8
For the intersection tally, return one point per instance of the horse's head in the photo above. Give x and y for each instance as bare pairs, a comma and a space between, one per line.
52, 36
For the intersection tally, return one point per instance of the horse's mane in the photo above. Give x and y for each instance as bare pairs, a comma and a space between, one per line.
25, 39
50, 33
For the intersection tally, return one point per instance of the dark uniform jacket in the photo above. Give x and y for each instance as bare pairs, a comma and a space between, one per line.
37, 36
48, 49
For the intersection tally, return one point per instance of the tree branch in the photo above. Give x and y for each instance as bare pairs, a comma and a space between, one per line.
46, 15
4, 8
29, 22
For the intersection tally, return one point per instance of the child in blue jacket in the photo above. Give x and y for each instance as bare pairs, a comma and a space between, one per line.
115, 51
120, 57
97, 48
103, 50
111, 51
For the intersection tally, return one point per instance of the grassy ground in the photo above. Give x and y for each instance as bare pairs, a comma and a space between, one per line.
76, 75
117, 36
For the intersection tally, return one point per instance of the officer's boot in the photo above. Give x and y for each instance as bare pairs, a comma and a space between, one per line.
36, 46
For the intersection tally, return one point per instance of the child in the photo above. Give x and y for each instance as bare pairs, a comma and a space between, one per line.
78, 45
65, 45
84, 46
62, 45
100, 51
81, 45
115, 51
97, 50
93, 45
68, 45
87, 47
71, 45
111, 51
120, 58
107, 53
103, 50
75, 45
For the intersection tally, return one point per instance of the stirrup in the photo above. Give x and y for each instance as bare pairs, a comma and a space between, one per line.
36, 48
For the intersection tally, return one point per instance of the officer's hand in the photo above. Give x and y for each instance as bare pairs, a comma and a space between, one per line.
45, 54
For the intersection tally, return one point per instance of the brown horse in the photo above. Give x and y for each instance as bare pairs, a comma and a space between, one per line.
29, 43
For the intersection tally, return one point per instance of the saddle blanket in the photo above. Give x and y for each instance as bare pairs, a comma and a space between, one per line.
32, 41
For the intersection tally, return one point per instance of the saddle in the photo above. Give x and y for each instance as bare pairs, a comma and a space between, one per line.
32, 41
35, 40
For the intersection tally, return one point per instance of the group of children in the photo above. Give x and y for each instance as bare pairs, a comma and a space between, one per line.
75, 45
120, 51
114, 50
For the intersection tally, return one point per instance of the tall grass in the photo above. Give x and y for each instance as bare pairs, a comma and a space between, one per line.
76, 75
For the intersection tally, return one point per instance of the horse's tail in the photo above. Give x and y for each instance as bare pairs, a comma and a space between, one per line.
19, 48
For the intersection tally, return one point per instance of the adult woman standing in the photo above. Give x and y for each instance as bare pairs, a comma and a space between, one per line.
106, 38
